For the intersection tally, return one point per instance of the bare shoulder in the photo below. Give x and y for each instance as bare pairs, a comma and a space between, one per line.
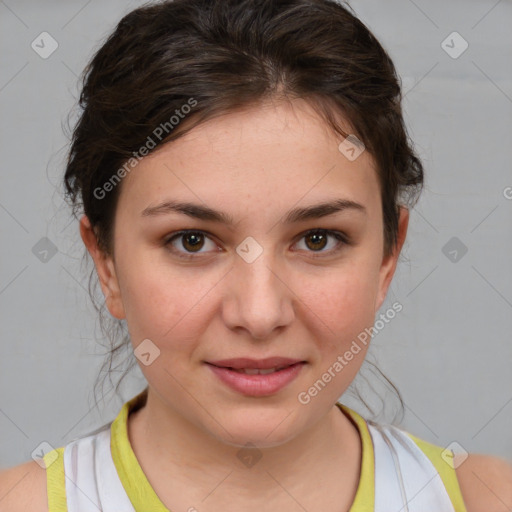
485, 482
23, 488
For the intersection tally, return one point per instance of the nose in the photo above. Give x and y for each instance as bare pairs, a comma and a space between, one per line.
260, 300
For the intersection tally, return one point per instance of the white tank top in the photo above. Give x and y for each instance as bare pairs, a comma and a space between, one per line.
399, 472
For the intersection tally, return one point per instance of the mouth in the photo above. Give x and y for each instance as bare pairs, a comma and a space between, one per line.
245, 363
257, 371
257, 378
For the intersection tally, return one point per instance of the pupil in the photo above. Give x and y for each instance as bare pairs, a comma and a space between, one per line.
318, 238
195, 240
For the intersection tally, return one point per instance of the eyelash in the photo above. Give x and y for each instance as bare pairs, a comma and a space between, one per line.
341, 237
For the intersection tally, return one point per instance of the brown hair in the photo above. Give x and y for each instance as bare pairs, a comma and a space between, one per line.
224, 55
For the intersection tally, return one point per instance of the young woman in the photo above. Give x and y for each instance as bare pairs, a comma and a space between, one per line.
244, 177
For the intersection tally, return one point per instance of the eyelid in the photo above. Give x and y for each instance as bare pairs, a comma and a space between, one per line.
178, 234
342, 238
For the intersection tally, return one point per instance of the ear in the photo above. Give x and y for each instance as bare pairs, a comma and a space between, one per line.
105, 268
388, 267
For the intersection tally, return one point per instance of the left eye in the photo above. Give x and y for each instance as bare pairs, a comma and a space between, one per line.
319, 237
193, 241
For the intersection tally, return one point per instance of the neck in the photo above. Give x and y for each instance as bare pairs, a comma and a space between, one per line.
331, 448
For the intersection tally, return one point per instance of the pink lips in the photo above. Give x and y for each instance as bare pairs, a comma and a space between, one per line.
258, 384
245, 362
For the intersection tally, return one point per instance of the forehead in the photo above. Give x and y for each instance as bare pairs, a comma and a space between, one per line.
268, 156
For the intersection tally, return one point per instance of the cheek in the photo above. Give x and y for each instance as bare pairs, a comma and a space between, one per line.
163, 303
341, 303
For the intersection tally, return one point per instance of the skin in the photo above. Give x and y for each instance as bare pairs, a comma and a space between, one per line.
256, 165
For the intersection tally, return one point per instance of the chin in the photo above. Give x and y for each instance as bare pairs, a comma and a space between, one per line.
256, 440
270, 431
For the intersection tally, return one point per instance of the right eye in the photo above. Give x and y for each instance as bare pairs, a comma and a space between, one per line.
190, 240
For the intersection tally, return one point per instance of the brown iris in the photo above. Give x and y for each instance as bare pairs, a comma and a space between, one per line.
193, 241
318, 239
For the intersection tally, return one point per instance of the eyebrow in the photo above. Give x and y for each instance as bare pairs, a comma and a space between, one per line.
206, 213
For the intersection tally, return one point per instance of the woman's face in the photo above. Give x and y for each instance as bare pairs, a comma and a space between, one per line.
256, 288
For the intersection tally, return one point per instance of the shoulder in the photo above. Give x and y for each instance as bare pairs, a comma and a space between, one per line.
23, 488
485, 483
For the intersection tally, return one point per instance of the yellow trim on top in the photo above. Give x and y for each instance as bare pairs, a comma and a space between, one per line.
143, 496
56, 480
364, 500
446, 472
134, 480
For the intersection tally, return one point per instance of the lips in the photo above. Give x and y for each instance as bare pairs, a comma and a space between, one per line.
259, 371
245, 363
257, 381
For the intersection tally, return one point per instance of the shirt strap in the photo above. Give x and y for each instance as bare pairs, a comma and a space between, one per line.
443, 462
55, 480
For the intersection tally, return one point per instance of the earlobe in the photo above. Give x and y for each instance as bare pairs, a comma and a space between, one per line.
389, 262
104, 268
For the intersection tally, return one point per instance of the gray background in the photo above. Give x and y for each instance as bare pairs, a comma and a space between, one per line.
449, 351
